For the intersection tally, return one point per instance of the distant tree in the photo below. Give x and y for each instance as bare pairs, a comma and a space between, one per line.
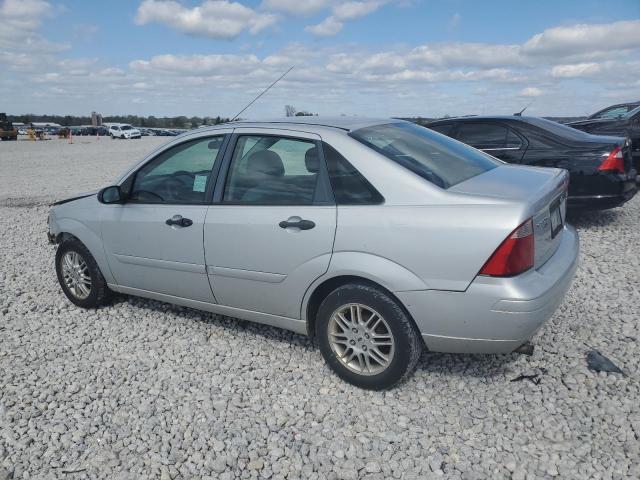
305, 114
289, 110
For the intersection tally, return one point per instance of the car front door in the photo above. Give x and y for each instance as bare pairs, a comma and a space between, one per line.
497, 140
154, 240
269, 233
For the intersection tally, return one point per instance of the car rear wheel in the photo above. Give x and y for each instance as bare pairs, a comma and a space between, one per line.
366, 337
79, 275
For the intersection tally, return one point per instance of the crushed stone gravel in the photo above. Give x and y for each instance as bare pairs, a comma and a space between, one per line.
142, 389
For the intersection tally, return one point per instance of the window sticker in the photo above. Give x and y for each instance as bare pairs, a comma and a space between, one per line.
199, 183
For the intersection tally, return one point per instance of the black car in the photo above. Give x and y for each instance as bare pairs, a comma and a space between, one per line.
600, 167
622, 120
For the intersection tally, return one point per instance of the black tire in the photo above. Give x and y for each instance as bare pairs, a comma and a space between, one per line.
407, 342
99, 292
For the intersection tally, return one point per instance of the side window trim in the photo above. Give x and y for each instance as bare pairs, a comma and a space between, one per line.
130, 180
322, 196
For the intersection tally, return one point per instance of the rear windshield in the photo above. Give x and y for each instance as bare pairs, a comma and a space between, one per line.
439, 159
557, 128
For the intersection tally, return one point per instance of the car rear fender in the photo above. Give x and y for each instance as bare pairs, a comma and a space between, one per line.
376, 269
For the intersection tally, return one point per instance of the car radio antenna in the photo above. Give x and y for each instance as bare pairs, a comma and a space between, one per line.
519, 114
262, 93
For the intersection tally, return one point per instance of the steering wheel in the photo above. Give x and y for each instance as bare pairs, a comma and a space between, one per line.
147, 192
174, 187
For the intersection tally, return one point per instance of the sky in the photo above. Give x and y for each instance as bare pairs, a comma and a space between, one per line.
361, 57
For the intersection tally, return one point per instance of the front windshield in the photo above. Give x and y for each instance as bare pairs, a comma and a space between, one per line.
435, 157
126, 127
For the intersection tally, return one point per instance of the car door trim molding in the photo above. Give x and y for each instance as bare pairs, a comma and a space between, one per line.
293, 324
246, 274
156, 263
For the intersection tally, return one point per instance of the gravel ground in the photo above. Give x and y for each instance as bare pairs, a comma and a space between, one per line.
141, 389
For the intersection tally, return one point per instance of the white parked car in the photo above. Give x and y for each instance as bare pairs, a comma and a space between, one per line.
124, 131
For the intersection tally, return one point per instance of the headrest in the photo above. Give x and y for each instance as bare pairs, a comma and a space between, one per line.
312, 160
266, 162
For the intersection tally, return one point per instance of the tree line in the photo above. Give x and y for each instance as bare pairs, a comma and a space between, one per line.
135, 120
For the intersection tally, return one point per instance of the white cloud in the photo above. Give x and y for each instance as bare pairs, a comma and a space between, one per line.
297, 7
576, 70
584, 39
328, 27
197, 64
19, 20
213, 18
343, 12
530, 92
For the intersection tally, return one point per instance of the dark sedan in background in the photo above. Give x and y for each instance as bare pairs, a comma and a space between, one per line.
621, 120
601, 170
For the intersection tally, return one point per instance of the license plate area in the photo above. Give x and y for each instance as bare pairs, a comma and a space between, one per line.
555, 215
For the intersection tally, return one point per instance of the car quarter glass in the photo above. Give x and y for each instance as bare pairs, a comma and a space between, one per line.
349, 186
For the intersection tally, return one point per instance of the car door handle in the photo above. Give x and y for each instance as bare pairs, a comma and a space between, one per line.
179, 221
301, 224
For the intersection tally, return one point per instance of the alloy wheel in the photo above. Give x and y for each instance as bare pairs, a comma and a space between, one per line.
75, 273
361, 339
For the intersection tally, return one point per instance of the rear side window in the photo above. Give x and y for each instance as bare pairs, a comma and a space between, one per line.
483, 135
444, 129
349, 186
438, 159
270, 170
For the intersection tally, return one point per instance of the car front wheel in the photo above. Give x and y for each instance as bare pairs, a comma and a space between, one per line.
79, 275
366, 337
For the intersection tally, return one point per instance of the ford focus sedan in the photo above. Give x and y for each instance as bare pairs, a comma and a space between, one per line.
379, 237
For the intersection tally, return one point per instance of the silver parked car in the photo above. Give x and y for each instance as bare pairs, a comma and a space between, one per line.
376, 236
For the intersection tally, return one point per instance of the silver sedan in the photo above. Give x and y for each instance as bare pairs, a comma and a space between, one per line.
380, 237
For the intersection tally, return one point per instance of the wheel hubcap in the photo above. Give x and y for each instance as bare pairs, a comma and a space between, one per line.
361, 339
75, 273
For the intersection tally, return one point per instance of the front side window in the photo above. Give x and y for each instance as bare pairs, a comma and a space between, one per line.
270, 170
178, 175
438, 159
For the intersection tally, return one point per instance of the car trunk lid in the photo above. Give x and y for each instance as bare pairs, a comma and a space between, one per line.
543, 191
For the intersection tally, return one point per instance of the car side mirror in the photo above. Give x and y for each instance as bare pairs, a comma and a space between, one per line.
112, 194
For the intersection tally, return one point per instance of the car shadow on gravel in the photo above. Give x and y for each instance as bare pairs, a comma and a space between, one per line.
465, 365
593, 218
232, 324
449, 364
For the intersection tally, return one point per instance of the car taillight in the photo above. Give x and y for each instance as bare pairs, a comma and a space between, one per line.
515, 255
613, 162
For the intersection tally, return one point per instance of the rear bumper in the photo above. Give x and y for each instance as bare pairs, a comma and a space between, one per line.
603, 202
609, 191
494, 315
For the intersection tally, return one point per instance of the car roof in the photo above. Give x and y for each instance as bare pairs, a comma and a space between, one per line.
346, 123
475, 118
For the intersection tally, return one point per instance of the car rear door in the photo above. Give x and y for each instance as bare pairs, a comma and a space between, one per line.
269, 233
496, 139
153, 241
